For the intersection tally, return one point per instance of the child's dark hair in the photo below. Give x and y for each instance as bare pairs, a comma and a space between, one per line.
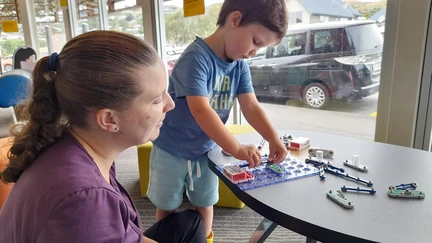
94, 70
272, 14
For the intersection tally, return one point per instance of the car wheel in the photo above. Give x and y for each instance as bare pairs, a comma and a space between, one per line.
316, 95
7, 68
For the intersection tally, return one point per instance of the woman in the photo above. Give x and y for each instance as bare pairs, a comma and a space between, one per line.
105, 92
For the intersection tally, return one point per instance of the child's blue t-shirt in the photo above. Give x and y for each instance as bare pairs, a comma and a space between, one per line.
200, 72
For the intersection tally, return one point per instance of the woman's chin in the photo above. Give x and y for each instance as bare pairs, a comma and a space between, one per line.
154, 135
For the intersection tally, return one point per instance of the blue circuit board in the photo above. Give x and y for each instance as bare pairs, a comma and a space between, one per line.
292, 169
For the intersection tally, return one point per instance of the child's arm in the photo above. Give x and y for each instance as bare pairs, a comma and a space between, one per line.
212, 125
257, 118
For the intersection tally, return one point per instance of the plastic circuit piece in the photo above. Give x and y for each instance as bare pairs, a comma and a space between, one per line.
327, 153
406, 186
358, 189
326, 164
339, 197
347, 176
354, 163
406, 194
299, 143
274, 168
262, 143
235, 173
315, 162
321, 173
407, 190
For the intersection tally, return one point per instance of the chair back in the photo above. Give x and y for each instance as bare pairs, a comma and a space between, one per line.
22, 54
15, 86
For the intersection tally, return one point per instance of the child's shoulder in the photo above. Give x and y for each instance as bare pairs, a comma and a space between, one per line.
197, 53
197, 48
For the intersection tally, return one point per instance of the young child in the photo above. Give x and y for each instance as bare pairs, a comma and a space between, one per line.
207, 78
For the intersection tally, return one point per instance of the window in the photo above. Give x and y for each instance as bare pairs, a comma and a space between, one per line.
364, 37
48, 14
291, 45
327, 41
9, 10
309, 81
125, 16
295, 17
9, 42
324, 18
88, 16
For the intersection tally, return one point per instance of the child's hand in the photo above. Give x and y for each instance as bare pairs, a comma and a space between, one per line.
278, 151
250, 153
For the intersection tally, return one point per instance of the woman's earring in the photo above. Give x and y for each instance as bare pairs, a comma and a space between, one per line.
115, 129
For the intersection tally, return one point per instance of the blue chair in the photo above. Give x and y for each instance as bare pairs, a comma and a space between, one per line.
15, 86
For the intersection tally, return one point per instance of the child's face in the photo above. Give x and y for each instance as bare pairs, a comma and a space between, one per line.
243, 42
142, 121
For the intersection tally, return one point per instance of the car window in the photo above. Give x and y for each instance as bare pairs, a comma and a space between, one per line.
364, 38
291, 45
327, 41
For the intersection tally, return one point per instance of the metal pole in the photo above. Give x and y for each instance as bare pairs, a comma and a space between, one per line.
85, 27
236, 113
48, 34
28, 21
103, 14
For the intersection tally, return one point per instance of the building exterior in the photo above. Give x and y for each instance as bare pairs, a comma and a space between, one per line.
318, 11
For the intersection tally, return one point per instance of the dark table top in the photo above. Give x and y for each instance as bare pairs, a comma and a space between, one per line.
302, 206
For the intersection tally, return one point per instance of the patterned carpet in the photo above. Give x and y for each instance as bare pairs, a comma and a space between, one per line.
230, 225
6, 120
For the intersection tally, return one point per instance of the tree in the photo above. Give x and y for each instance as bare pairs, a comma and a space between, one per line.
181, 30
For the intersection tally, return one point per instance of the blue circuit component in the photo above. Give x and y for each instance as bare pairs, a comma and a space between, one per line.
407, 186
358, 189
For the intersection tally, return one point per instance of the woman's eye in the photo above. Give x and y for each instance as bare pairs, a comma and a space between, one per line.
157, 101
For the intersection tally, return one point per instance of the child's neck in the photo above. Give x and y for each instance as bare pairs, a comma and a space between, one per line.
216, 42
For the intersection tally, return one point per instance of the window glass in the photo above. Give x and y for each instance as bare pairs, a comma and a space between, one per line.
327, 41
126, 16
324, 75
291, 45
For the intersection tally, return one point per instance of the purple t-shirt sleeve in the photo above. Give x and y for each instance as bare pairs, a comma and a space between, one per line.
245, 83
94, 215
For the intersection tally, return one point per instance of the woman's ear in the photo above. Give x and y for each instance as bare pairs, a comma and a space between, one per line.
106, 120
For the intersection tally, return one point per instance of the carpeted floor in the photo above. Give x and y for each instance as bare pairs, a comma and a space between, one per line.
6, 120
230, 225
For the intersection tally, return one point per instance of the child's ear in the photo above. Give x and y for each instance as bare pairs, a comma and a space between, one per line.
235, 19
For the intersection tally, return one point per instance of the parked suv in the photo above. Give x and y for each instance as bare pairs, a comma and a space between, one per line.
319, 62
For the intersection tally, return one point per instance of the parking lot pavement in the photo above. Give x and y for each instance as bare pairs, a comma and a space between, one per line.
346, 118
